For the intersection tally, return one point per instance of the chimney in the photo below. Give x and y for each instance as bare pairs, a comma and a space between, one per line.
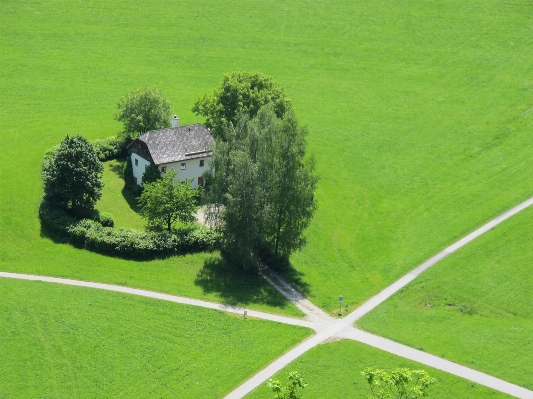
175, 121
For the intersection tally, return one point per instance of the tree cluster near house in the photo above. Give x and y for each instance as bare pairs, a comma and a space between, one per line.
261, 187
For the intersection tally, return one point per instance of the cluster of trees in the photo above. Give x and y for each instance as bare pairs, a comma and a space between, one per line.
260, 190
400, 383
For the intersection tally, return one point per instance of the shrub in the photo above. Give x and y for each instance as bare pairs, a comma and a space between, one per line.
112, 147
106, 220
129, 180
93, 235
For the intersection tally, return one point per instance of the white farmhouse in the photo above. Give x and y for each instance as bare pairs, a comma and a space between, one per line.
182, 148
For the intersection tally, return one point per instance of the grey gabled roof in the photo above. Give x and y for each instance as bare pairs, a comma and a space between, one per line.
177, 143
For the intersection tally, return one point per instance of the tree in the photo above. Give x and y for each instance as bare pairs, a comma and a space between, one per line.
72, 176
151, 174
240, 94
142, 110
166, 201
400, 383
260, 189
296, 382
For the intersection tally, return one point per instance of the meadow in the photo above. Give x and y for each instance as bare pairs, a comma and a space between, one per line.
473, 308
64, 342
419, 116
333, 370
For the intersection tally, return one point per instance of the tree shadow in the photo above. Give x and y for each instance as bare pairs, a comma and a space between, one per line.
118, 168
131, 199
235, 286
295, 278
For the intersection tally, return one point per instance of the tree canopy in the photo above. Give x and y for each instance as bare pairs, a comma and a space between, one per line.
142, 110
260, 188
166, 200
72, 176
400, 383
240, 94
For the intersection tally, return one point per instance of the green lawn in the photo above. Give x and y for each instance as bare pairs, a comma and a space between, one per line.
116, 200
64, 342
474, 307
333, 371
419, 116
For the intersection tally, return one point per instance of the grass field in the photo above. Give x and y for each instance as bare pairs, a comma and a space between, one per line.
473, 308
419, 114
65, 342
333, 371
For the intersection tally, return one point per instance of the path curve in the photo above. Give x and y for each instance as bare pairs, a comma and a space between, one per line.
167, 297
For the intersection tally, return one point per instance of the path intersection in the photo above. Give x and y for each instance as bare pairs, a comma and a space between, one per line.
325, 326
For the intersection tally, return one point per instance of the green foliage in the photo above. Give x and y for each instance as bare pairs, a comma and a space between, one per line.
400, 383
262, 191
168, 200
240, 94
290, 391
98, 235
142, 110
151, 174
129, 180
72, 176
111, 147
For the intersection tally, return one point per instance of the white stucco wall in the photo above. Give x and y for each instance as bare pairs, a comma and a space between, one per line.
138, 170
192, 169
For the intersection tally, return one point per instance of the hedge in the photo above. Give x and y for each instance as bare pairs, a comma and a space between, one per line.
126, 243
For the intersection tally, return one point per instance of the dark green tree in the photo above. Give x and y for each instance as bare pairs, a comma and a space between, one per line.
142, 110
72, 176
240, 94
151, 174
166, 200
260, 189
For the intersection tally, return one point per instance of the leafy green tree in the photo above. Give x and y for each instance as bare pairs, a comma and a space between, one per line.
260, 188
72, 176
151, 174
166, 200
290, 391
400, 383
240, 94
142, 110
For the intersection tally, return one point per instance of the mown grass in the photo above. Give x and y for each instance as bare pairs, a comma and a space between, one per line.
474, 307
333, 371
64, 342
419, 115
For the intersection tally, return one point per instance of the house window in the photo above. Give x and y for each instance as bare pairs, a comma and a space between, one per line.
201, 163
163, 169
136, 162
183, 166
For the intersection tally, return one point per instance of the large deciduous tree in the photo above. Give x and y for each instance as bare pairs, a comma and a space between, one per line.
260, 188
166, 200
142, 110
72, 176
240, 94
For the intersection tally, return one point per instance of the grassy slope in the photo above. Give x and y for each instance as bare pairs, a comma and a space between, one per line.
473, 308
334, 371
419, 116
65, 342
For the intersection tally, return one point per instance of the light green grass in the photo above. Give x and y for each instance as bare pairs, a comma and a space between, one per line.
65, 342
333, 371
419, 115
474, 307
116, 200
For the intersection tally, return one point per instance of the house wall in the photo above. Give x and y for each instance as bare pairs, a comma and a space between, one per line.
192, 169
138, 170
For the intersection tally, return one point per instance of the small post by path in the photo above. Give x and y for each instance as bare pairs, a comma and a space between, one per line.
341, 299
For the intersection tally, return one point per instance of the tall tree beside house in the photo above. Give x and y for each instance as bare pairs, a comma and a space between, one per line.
72, 176
240, 94
142, 110
261, 189
166, 200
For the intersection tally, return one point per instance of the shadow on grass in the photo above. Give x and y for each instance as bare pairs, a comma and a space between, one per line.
118, 167
296, 279
131, 199
235, 286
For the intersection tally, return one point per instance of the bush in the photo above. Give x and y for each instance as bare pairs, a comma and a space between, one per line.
106, 220
129, 180
112, 147
93, 235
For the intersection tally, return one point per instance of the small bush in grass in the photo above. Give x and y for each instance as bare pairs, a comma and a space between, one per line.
106, 219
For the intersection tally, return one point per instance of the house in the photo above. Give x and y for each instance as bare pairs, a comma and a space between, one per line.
182, 148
